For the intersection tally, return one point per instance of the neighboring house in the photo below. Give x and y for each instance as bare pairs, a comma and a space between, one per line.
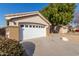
23, 26
64, 29
76, 28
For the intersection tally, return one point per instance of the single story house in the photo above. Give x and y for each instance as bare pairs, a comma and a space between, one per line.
23, 26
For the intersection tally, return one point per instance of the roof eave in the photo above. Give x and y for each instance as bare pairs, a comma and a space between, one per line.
10, 16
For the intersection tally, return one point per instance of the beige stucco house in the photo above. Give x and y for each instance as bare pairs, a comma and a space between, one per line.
23, 26
64, 29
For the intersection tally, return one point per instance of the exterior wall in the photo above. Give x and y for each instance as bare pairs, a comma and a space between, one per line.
33, 19
63, 29
48, 31
12, 33
13, 27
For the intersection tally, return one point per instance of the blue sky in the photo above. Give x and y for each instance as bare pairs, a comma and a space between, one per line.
17, 8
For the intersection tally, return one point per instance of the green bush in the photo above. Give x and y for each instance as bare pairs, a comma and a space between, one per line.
10, 47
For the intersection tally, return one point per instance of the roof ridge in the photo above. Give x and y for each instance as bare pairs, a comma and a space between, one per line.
23, 13
9, 16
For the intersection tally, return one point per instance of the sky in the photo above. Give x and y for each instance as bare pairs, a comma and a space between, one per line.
18, 8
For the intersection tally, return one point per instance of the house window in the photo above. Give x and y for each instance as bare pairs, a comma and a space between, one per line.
30, 26
42, 26
26, 25
39, 26
36, 26
22, 25
33, 26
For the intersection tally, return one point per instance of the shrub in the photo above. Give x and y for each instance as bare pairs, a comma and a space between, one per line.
9, 47
2, 31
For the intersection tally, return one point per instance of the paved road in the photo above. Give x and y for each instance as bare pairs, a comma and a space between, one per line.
51, 46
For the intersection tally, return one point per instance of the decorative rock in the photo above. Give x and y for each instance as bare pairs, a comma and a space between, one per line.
64, 39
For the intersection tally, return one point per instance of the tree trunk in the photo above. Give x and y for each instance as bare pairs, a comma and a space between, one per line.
56, 29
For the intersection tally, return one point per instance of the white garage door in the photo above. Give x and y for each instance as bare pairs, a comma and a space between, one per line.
30, 31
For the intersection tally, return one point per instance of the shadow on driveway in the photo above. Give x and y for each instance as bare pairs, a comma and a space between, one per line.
29, 48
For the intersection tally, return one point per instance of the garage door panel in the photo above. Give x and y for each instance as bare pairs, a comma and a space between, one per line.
30, 32
33, 33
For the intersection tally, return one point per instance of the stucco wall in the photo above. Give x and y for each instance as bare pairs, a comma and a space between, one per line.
33, 19
13, 27
13, 33
48, 31
63, 29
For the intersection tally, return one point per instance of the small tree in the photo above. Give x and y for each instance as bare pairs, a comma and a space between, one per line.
59, 14
9, 47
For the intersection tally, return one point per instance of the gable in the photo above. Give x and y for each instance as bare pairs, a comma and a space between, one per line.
34, 17
31, 19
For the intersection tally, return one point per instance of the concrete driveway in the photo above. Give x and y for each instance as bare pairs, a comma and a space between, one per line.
51, 46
